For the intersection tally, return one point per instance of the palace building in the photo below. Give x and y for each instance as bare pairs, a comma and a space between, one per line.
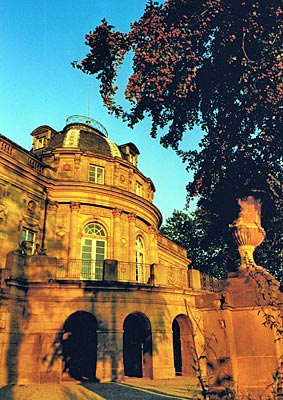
91, 290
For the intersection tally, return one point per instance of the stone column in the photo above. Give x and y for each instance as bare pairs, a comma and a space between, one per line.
50, 242
247, 230
73, 233
51, 219
132, 237
152, 243
116, 254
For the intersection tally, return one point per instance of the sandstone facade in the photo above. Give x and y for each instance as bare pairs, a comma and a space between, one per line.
91, 290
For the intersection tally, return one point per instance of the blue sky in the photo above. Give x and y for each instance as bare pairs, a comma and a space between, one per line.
39, 40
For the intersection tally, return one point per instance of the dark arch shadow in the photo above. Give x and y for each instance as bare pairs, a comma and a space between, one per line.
137, 346
183, 346
79, 346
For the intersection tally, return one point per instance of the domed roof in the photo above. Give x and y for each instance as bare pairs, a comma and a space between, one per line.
85, 134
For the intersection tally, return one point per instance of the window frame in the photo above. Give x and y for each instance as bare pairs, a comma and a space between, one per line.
93, 251
140, 258
29, 236
96, 174
40, 142
139, 188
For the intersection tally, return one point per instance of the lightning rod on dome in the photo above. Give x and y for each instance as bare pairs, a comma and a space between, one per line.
88, 106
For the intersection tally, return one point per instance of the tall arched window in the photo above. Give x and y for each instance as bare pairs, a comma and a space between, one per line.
93, 252
139, 259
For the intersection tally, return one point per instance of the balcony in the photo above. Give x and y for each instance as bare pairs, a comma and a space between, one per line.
107, 270
24, 269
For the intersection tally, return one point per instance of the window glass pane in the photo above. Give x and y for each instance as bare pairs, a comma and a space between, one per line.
100, 250
100, 175
27, 235
99, 256
99, 231
91, 173
89, 229
30, 236
96, 174
24, 233
138, 189
93, 252
92, 229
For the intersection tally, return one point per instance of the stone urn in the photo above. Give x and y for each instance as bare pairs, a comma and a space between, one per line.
247, 230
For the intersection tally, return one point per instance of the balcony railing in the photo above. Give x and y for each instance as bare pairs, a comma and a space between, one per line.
133, 272
42, 268
209, 283
104, 270
80, 269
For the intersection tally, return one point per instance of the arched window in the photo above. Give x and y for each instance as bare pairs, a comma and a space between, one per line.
139, 259
93, 252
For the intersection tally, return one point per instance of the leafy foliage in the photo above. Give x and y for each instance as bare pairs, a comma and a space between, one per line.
215, 253
209, 251
217, 64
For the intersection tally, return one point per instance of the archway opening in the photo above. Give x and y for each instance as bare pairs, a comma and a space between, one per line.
79, 346
137, 346
177, 348
183, 346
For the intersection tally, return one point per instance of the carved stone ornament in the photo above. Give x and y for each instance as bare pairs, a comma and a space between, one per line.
247, 230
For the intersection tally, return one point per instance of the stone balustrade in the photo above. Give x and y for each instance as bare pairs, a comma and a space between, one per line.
42, 268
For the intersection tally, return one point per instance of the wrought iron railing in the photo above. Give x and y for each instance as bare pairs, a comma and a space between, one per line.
43, 268
81, 269
75, 119
95, 270
133, 272
209, 283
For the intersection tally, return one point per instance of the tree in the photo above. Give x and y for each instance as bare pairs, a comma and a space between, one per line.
209, 251
214, 63
215, 253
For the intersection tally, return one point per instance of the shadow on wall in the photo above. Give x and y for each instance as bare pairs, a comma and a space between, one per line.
76, 345
18, 315
79, 346
116, 348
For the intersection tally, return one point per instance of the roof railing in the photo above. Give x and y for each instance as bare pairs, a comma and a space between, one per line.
80, 119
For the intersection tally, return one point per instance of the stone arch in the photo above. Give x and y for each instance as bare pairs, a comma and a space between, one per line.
79, 346
183, 346
137, 346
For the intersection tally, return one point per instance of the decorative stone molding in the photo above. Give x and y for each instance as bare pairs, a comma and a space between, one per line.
116, 212
75, 206
6, 148
132, 217
53, 206
152, 230
247, 230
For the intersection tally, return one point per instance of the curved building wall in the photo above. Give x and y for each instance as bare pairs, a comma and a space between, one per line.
80, 246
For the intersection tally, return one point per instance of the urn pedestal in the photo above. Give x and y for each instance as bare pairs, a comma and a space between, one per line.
247, 230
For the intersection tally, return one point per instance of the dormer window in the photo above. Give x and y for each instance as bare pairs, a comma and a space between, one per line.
41, 138
130, 153
132, 159
39, 143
